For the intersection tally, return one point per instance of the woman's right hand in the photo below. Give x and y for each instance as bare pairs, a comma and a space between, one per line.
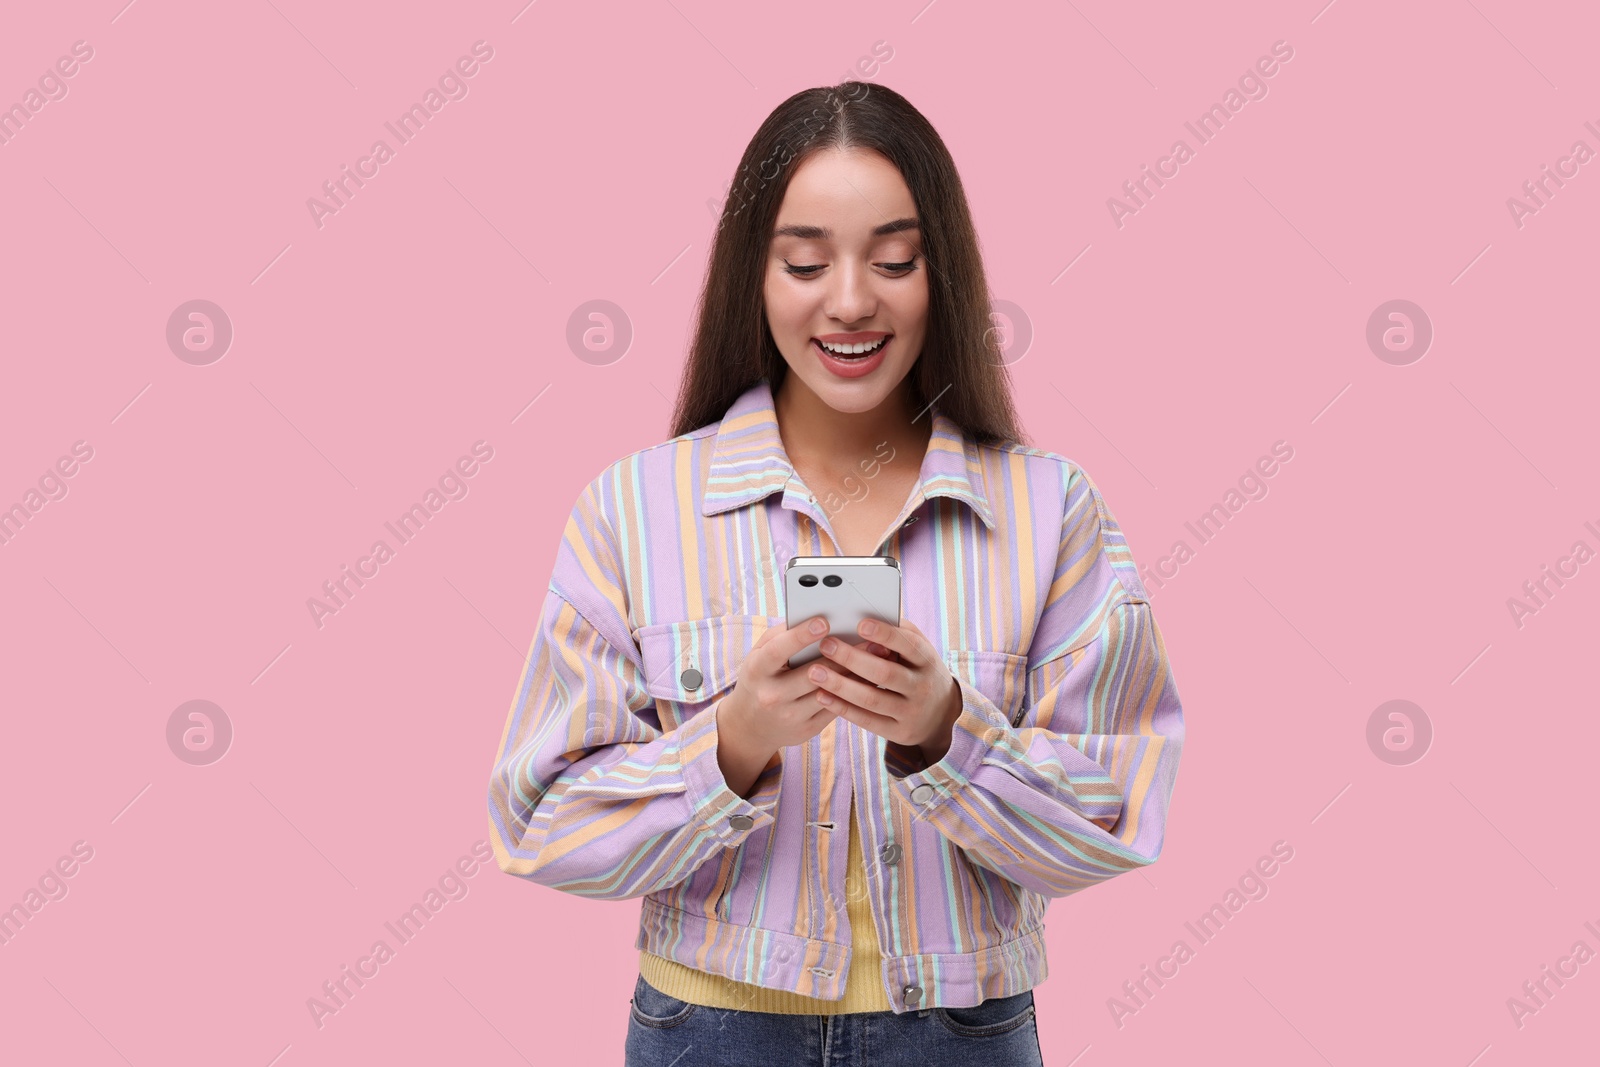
771, 705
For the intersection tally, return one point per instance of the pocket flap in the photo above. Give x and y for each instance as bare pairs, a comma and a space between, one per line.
1000, 676
706, 652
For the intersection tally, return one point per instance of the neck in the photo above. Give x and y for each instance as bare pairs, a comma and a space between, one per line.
820, 436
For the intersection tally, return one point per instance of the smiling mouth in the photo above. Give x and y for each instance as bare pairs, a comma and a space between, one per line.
853, 357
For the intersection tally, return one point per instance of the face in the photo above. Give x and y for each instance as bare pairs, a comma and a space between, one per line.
845, 268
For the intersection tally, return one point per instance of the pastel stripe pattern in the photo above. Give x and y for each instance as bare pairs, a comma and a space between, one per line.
1059, 774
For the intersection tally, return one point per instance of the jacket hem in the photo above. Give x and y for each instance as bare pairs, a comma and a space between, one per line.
816, 968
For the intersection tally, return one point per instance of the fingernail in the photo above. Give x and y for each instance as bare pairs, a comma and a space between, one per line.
868, 627
818, 625
818, 674
829, 645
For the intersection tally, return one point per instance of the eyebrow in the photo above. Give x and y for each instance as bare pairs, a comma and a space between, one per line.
822, 233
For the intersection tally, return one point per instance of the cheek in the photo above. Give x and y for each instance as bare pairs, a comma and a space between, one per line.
787, 309
911, 316
769, 290
922, 297
911, 303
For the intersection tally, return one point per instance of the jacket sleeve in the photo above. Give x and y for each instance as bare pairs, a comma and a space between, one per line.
588, 794
1077, 792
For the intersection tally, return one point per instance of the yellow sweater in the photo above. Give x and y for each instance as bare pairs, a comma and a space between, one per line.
863, 987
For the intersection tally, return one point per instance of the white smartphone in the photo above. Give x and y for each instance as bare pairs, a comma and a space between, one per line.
845, 589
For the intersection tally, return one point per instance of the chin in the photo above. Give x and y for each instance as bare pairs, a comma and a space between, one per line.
851, 396
853, 400
854, 396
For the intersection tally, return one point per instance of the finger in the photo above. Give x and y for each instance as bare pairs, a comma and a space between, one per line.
820, 720
821, 717
920, 643
882, 725
900, 639
863, 695
794, 640
793, 686
878, 650
829, 664
921, 639
867, 666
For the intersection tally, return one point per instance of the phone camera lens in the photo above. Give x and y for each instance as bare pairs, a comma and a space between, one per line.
808, 580
832, 579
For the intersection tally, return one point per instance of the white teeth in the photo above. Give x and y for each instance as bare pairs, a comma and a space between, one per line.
853, 350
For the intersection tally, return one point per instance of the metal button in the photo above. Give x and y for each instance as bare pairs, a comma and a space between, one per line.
923, 793
741, 822
691, 678
913, 994
890, 853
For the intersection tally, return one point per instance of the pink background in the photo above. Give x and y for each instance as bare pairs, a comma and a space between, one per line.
429, 313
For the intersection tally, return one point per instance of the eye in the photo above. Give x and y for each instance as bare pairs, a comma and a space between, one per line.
902, 269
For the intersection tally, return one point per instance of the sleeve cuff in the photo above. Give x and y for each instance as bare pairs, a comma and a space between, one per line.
971, 738
721, 811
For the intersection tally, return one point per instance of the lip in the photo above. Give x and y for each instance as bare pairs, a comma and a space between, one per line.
858, 369
853, 338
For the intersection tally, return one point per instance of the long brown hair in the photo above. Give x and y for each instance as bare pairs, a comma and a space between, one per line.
960, 369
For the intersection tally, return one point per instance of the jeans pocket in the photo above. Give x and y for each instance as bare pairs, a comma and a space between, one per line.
995, 1016
655, 1009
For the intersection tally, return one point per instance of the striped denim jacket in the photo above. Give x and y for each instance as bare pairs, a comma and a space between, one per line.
1058, 775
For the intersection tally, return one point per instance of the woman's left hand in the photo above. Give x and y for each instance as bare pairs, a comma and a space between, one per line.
919, 700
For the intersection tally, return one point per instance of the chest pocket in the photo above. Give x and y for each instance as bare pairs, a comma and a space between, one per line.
1000, 676
687, 665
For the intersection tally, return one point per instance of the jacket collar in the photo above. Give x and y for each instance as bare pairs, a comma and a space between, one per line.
748, 462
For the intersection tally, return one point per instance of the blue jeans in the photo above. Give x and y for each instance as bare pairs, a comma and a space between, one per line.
664, 1031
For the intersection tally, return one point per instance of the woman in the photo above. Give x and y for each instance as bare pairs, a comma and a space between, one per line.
852, 858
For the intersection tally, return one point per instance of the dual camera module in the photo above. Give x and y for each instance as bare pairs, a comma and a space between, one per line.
809, 580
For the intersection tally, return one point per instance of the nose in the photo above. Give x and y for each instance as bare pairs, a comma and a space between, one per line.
850, 295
